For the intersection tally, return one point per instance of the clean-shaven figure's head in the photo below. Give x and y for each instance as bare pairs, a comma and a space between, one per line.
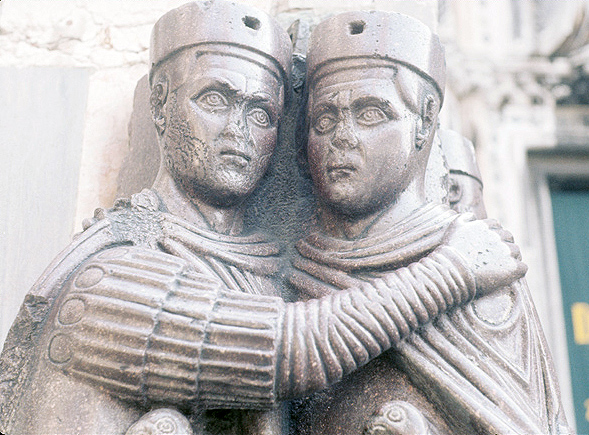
375, 92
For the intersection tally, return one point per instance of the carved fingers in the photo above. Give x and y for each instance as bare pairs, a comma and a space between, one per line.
490, 251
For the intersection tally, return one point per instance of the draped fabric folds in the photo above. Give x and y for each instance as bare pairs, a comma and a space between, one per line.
244, 264
487, 363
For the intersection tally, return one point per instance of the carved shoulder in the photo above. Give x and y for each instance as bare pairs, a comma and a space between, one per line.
137, 220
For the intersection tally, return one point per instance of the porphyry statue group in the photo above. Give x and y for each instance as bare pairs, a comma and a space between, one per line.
167, 314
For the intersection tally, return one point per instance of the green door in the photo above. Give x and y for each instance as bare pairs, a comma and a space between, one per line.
570, 205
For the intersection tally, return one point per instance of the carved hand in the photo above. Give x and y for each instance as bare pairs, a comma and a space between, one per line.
489, 249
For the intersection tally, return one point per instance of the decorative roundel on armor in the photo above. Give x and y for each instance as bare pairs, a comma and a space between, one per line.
89, 277
113, 253
71, 311
497, 310
60, 350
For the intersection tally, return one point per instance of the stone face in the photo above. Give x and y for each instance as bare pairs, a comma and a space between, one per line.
231, 297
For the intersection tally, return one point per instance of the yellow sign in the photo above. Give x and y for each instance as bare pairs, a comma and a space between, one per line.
580, 312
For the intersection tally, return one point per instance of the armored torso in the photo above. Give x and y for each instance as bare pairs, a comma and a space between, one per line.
121, 288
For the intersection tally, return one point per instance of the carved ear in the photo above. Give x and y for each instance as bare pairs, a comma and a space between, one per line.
159, 95
427, 123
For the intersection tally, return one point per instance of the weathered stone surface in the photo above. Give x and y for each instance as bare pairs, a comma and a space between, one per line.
175, 308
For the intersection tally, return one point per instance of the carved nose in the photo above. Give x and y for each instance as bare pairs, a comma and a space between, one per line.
235, 128
344, 136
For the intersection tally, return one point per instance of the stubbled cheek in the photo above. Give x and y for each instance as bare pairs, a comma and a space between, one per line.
264, 144
206, 128
318, 172
317, 154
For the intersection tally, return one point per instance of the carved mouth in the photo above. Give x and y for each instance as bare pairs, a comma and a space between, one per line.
336, 171
237, 157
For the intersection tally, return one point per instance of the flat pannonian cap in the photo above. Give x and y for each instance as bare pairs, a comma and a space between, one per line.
221, 22
378, 35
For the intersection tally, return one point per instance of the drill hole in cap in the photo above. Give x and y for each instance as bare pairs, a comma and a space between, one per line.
251, 22
357, 27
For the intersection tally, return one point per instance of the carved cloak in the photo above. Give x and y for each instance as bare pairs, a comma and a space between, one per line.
484, 368
241, 263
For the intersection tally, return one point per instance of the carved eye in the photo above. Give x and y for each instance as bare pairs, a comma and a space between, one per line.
212, 100
371, 115
259, 117
325, 123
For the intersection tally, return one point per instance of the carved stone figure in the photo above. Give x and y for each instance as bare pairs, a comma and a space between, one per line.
375, 85
166, 314
217, 99
465, 190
